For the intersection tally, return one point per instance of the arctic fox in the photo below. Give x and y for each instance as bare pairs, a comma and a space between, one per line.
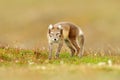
68, 32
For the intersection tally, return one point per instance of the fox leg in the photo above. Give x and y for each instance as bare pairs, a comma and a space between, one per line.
50, 51
69, 44
59, 49
81, 43
76, 45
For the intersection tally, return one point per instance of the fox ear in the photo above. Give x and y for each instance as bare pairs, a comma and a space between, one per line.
50, 26
60, 27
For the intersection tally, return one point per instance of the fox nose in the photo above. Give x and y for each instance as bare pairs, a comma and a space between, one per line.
55, 39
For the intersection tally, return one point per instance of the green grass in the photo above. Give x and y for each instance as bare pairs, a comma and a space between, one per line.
19, 64
22, 56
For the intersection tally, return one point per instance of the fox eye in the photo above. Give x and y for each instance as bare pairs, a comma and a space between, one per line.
57, 34
51, 34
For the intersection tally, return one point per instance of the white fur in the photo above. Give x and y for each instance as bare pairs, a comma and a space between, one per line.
50, 26
80, 32
59, 26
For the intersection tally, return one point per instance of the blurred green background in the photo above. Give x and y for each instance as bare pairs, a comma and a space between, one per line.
23, 23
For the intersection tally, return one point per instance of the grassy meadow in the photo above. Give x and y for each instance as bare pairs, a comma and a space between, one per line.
18, 64
24, 47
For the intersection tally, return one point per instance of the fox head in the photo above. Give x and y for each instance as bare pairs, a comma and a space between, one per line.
55, 33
